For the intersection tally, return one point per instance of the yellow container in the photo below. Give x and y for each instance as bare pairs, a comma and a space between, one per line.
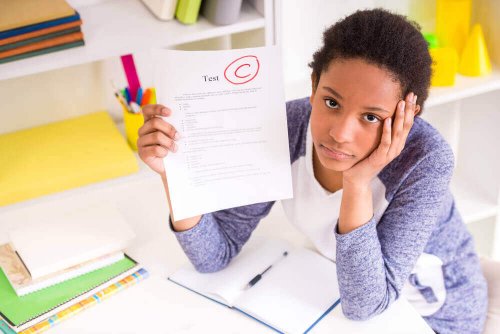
444, 66
453, 23
132, 124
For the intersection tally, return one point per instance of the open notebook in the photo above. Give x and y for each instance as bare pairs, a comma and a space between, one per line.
292, 296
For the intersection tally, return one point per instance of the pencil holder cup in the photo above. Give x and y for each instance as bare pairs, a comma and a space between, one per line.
132, 124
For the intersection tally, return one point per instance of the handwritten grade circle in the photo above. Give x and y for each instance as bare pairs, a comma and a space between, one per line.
242, 70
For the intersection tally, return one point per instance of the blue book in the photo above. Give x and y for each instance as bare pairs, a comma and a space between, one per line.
38, 26
284, 288
5, 329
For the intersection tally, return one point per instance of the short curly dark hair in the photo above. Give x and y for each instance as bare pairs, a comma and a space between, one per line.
382, 38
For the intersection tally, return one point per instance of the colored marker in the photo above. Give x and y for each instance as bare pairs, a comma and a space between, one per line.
138, 98
146, 97
127, 95
152, 99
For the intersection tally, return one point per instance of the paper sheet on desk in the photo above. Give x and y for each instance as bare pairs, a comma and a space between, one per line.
229, 108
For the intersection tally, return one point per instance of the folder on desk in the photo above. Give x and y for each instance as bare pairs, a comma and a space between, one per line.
62, 155
291, 297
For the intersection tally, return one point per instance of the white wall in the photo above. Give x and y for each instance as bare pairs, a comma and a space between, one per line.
303, 23
51, 96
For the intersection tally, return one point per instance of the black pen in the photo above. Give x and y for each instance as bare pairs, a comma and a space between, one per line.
257, 278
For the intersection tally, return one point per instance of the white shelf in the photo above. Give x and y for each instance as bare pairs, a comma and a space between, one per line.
117, 27
472, 205
464, 87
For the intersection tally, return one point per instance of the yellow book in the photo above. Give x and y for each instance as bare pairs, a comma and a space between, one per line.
62, 155
19, 13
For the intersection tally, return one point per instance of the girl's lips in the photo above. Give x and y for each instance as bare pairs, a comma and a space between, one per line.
333, 154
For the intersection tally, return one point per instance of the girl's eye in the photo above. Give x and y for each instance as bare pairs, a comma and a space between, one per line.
371, 118
332, 104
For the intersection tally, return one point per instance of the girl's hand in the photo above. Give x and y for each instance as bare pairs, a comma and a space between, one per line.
156, 137
391, 144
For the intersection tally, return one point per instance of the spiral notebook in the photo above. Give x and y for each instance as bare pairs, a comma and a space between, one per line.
22, 312
86, 303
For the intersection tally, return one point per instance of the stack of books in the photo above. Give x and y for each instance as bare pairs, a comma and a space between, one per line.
33, 27
56, 268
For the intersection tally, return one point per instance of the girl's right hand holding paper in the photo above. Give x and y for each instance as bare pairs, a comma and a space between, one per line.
156, 137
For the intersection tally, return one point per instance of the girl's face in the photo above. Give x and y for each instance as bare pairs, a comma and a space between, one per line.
349, 104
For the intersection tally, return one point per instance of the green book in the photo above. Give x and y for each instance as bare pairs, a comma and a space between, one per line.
187, 11
42, 51
38, 39
17, 311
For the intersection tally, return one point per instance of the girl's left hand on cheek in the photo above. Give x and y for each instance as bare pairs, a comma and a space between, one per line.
391, 144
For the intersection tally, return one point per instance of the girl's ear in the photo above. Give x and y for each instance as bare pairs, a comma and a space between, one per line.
417, 110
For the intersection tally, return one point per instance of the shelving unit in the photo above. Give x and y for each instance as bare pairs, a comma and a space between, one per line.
108, 34
117, 27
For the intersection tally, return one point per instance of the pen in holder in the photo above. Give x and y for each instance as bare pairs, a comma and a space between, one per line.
132, 113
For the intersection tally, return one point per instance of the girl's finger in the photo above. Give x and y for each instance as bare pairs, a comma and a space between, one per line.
157, 139
397, 129
154, 110
409, 119
153, 151
158, 124
410, 113
385, 140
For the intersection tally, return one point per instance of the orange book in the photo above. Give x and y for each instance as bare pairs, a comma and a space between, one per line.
40, 32
77, 36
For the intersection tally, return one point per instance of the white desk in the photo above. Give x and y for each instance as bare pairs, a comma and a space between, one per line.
156, 305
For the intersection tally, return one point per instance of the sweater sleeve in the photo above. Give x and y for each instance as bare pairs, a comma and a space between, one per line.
219, 236
375, 260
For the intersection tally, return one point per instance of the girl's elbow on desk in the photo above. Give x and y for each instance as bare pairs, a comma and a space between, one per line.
360, 314
364, 308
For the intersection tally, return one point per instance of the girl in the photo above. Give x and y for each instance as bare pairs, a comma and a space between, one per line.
370, 180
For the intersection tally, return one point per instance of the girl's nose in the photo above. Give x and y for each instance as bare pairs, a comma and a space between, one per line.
342, 130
